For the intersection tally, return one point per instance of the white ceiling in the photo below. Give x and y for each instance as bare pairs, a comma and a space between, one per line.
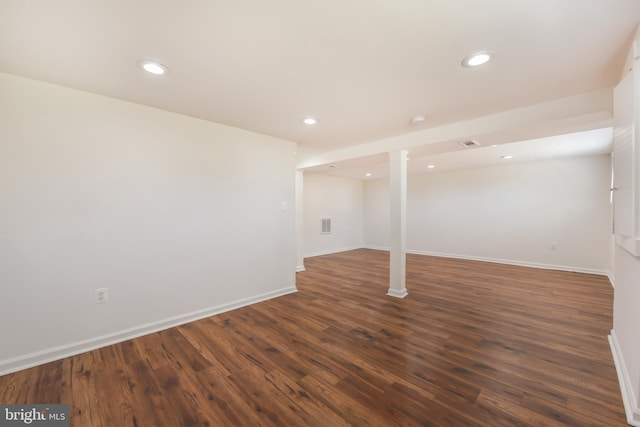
363, 68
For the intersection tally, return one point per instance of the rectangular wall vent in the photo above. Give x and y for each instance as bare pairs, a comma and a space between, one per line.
326, 225
470, 143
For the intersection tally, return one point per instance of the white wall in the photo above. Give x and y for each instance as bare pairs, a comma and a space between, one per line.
508, 213
178, 217
299, 221
340, 199
626, 325
377, 214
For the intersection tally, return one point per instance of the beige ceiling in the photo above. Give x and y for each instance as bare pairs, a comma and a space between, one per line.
363, 68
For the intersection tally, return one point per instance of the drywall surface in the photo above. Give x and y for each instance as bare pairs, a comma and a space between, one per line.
177, 217
550, 214
341, 200
626, 322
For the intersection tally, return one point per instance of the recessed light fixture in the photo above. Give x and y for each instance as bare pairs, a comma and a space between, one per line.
309, 121
418, 120
431, 166
506, 157
367, 174
153, 67
477, 59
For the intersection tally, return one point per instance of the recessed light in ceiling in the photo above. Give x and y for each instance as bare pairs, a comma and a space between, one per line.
431, 166
309, 121
367, 174
506, 157
477, 59
153, 67
418, 120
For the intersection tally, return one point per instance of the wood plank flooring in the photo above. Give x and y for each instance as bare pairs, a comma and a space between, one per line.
474, 344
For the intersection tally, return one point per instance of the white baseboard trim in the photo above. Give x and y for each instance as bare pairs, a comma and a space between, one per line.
56, 353
332, 251
300, 268
505, 261
515, 262
612, 279
628, 396
396, 293
377, 248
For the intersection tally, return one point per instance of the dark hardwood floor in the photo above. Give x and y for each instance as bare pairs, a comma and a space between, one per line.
474, 344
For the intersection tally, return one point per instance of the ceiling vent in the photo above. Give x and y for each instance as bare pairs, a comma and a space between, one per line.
470, 143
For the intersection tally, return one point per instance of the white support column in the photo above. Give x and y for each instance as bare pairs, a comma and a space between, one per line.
299, 221
398, 230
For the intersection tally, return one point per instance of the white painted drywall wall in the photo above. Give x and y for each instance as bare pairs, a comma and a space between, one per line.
176, 216
299, 221
508, 213
340, 199
626, 321
377, 214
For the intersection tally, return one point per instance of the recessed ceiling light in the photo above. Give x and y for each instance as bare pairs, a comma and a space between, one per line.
431, 166
367, 174
506, 157
417, 120
477, 59
309, 121
153, 67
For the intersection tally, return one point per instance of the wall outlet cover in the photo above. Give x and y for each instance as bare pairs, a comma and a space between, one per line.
102, 295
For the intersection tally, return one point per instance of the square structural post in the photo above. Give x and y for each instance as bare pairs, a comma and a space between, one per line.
398, 229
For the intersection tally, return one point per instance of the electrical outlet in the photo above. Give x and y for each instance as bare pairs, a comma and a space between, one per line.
102, 295
554, 246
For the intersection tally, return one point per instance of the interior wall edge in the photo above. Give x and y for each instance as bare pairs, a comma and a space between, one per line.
631, 408
612, 279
